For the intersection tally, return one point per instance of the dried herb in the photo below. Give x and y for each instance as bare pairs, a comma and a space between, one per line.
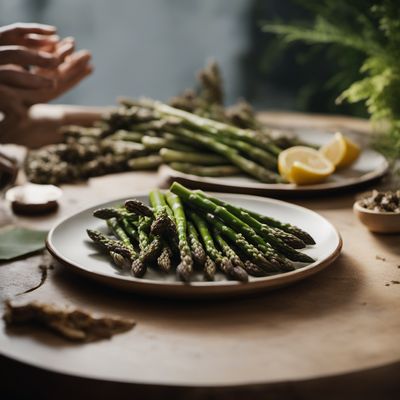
72, 324
382, 201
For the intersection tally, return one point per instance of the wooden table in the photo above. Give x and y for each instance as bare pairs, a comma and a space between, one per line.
335, 335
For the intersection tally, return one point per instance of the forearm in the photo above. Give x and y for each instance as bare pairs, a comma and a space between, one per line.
42, 126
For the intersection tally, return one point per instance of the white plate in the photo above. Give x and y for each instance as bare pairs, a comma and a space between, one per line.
370, 166
69, 244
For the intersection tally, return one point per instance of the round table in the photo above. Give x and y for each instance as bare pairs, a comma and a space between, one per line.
336, 332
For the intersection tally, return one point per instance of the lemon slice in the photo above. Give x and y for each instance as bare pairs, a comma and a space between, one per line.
341, 151
304, 166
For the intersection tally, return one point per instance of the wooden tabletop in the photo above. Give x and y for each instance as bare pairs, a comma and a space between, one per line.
337, 331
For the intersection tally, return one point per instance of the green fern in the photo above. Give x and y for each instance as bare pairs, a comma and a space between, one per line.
373, 28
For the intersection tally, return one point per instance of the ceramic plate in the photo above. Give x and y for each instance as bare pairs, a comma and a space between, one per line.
370, 166
69, 244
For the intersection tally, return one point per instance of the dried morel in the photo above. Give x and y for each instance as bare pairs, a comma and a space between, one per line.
72, 324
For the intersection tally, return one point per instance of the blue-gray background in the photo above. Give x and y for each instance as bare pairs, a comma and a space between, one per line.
154, 48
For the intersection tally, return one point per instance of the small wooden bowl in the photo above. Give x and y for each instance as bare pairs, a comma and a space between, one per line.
32, 199
376, 221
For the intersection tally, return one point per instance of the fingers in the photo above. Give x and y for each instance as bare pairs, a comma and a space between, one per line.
23, 56
74, 63
65, 48
22, 28
44, 42
75, 79
72, 71
24, 79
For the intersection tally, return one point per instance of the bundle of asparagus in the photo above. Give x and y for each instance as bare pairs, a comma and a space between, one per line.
186, 230
194, 134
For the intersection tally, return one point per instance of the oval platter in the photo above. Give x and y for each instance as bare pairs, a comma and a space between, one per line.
369, 167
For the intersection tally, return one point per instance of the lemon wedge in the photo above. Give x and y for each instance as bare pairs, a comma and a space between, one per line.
341, 151
304, 166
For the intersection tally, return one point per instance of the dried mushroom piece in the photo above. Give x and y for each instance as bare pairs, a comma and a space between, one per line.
382, 201
72, 324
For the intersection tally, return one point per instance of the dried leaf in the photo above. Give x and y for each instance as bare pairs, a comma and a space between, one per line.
16, 242
73, 324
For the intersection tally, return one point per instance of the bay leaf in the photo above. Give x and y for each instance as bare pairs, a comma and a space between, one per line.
16, 242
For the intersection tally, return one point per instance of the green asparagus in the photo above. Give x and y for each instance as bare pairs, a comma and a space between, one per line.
231, 255
185, 268
119, 232
198, 253
207, 206
164, 260
221, 261
263, 230
294, 230
257, 154
268, 265
145, 162
210, 126
169, 156
121, 256
209, 269
246, 165
154, 143
200, 170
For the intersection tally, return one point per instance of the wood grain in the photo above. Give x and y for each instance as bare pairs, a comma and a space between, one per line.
342, 323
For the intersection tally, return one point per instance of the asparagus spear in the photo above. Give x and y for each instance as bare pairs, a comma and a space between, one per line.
209, 269
127, 136
200, 170
257, 154
116, 249
222, 262
119, 232
143, 231
253, 269
185, 268
247, 248
145, 162
207, 206
147, 255
188, 142
164, 222
139, 208
164, 260
156, 143
130, 230
113, 212
169, 156
163, 216
288, 238
292, 229
157, 200
232, 256
198, 254
148, 250
248, 166
209, 126
263, 230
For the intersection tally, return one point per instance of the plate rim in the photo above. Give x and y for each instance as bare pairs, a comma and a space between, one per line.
166, 172
198, 287
171, 174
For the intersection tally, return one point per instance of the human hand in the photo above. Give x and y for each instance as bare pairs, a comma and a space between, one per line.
68, 74
28, 34
26, 68
35, 67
